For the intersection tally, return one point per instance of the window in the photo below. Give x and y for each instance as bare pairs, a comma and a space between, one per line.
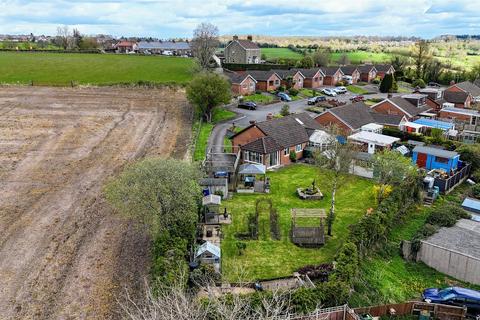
298, 148
315, 79
251, 156
286, 152
277, 82
270, 83
441, 160
252, 85
244, 86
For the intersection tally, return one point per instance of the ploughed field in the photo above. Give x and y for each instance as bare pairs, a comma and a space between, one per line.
63, 252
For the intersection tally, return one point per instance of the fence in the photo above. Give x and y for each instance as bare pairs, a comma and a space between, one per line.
335, 313
447, 185
451, 262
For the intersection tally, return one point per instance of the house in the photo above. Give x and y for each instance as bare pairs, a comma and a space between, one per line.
459, 99
125, 46
472, 89
383, 69
160, 47
371, 141
367, 72
434, 97
410, 106
243, 51
351, 71
332, 75
271, 142
469, 120
294, 78
435, 158
242, 84
313, 77
351, 117
266, 80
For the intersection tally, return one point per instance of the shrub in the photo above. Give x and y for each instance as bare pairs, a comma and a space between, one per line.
376, 81
285, 111
476, 175
293, 156
341, 83
281, 89
447, 215
241, 246
419, 83
476, 191
219, 193
470, 153
387, 84
293, 92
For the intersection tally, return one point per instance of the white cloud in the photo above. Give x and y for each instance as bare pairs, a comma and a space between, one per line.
168, 18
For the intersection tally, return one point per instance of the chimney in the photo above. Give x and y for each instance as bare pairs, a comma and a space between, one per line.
389, 95
252, 122
269, 116
249, 37
452, 82
235, 37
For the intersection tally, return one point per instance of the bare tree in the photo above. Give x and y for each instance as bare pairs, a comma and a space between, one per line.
421, 54
204, 43
344, 60
338, 160
63, 36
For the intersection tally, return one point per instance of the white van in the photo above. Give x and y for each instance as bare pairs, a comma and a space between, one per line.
348, 79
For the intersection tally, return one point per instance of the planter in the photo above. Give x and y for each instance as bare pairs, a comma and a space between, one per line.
305, 195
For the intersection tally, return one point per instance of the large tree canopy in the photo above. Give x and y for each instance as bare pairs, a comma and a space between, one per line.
207, 91
161, 194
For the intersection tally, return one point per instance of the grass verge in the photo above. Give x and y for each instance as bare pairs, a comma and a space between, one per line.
357, 90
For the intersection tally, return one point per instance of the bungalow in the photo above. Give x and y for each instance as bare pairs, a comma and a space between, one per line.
367, 72
459, 99
435, 158
294, 78
410, 106
351, 71
313, 77
271, 142
472, 89
351, 117
371, 141
242, 84
383, 69
125, 46
332, 75
266, 80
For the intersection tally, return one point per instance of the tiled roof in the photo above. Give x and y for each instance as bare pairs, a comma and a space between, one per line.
365, 68
235, 77
263, 145
166, 45
329, 71
348, 70
355, 115
247, 44
408, 107
286, 73
261, 75
455, 97
469, 87
387, 119
310, 73
383, 67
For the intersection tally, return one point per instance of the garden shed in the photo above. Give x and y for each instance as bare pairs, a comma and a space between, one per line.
435, 158
472, 206
309, 236
454, 251
215, 186
209, 253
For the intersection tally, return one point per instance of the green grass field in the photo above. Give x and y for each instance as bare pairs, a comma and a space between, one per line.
273, 53
266, 258
259, 98
101, 69
357, 57
356, 89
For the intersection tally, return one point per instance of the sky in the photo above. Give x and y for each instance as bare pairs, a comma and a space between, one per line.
178, 18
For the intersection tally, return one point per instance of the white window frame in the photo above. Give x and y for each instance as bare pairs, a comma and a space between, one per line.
298, 148
286, 152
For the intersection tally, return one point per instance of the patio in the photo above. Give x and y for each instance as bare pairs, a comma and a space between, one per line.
249, 182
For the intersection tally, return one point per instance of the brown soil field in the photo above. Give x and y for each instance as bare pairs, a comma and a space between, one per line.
64, 253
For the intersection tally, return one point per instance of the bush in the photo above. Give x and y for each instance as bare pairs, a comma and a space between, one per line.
419, 83
293, 156
470, 153
285, 111
281, 89
341, 83
447, 215
376, 81
476, 191
293, 92
476, 175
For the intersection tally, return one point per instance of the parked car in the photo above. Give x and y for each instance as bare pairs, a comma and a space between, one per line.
357, 98
329, 92
249, 105
433, 84
348, 79
340, 90
316, 100
456, 296
284, 97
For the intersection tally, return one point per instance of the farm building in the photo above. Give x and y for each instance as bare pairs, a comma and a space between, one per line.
454, 251
434, 158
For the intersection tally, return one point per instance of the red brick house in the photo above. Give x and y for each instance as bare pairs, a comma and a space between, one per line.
295, 76
410, 106
351, 117
125, 46
242, 84
462, 94
351, 71
383, 69
367, 72
313, 77
270, 142
332, 75
266, 80
467, 116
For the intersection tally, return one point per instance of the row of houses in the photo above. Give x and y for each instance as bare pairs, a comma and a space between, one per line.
180, 48
247, 82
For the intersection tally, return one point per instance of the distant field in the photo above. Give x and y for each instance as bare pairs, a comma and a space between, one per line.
61, 68
280, 53
357, 57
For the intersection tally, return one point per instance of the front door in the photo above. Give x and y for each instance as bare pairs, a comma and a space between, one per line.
421, 160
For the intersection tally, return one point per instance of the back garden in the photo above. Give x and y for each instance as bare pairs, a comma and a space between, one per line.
267, 258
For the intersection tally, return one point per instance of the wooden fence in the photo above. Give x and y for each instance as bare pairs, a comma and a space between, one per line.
447, 185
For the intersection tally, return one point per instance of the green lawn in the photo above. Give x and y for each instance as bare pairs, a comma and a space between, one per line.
388, 278
205, 130
103, 69
356, 89
273, 53
266, 258
357, 57
259, 98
